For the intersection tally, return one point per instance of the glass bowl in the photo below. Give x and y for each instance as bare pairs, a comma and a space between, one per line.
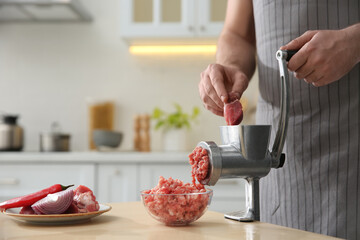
177, 209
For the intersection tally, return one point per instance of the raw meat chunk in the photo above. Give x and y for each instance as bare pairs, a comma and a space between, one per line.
27, 210
233, 111
72, 209
84, 200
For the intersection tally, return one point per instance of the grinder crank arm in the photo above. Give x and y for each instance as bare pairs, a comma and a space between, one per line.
283, 56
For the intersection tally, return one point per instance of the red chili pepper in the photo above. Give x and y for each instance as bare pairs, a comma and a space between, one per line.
32, 198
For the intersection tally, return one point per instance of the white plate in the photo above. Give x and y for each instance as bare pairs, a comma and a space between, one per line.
55, 219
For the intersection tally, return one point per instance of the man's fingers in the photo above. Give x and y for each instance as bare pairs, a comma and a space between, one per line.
211, 92
313, 77
207, 100
299, 42
304, 71
300, 58
217, 81
241, 82
322, 82
211, 106
215, 111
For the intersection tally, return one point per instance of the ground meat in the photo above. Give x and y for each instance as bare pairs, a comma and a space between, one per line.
176, 209
180, 209
175, 186
199, 161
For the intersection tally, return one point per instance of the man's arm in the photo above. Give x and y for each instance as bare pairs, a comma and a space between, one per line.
236, 45
235, 58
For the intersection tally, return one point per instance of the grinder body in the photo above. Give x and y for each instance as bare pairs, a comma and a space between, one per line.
243, 154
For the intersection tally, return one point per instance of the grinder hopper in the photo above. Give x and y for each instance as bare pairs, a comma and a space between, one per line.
244, 152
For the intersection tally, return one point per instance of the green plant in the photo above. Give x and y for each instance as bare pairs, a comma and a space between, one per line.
177, 119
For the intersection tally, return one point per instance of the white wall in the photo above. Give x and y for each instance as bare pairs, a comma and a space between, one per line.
48, 70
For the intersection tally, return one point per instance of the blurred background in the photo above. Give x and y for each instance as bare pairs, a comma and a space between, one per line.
105, 94
56, 63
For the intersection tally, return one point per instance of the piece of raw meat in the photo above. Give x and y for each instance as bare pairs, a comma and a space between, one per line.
233, 111
27, 210
84, 200
72, 209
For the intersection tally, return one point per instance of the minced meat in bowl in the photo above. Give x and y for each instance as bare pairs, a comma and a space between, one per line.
176, 204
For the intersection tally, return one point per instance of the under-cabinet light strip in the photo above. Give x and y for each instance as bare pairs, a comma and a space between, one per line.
173, 49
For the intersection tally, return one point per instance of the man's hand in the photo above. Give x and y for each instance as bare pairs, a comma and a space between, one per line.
325, 55
217, 82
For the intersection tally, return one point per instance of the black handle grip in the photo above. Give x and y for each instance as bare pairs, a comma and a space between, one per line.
282, 160
290, 53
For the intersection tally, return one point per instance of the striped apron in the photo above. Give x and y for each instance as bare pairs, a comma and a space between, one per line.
318, 189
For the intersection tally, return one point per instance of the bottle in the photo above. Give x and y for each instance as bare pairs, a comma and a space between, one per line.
145, 133
137, 138
101, 116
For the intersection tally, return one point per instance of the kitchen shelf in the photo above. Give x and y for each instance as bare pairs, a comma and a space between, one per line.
94, 157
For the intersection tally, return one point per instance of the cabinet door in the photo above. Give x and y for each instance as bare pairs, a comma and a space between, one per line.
150, 173
157, 18
229, 195
211, 17
117, 182
21, 179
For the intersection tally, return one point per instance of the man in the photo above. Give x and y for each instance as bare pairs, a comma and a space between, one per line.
318, 189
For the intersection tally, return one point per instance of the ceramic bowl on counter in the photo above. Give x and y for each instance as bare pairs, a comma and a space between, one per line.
177, 209
107, 138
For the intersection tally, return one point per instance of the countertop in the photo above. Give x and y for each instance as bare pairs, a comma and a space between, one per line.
94, 157
129, 220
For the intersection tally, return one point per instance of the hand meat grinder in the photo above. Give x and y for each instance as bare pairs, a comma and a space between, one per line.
245, 154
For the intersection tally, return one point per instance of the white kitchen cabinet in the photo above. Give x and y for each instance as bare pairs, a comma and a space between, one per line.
21, 179
211, 17
168, 19
229, 195
117, 183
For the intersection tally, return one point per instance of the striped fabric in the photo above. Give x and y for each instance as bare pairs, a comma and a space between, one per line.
318, 189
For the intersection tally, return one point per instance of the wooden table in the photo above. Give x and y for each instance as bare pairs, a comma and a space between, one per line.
131, 221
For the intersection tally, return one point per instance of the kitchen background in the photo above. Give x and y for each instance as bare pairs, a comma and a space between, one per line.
49, 71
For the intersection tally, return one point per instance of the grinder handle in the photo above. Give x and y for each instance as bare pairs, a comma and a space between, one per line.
282, 56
